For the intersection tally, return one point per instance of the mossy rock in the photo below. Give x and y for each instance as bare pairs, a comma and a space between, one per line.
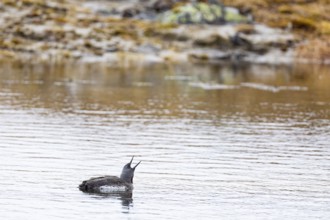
202, 13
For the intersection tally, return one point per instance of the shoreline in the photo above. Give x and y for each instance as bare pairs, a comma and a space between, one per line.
53, 31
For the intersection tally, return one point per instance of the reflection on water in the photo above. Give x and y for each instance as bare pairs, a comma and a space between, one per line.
126, 198
78, 87
229, 142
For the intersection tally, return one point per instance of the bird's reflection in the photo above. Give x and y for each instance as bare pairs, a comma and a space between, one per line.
126, 198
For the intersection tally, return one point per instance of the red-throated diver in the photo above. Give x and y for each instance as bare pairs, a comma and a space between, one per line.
108, 184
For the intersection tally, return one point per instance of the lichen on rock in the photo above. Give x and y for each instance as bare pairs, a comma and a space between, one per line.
202, 13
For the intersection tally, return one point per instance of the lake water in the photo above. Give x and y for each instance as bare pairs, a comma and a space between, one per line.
216, 142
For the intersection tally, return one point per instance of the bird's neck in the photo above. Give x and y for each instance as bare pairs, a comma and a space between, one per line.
126, 178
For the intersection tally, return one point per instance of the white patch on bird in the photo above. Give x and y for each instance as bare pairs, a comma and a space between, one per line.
109, 189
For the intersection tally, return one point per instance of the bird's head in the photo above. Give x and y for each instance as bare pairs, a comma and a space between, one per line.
127, 173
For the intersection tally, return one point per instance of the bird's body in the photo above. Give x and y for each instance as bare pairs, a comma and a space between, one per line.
105, 184
110, 184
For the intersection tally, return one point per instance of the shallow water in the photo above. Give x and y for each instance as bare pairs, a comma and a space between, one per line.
216, 142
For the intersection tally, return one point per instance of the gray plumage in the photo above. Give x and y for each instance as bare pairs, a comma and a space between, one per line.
114, 183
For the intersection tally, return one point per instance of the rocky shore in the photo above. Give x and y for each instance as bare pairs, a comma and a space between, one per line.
151, 31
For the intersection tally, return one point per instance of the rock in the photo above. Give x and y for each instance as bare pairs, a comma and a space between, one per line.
264, 38
211, 38
208, 54
147, 48
130, 12
202, 13
162, 5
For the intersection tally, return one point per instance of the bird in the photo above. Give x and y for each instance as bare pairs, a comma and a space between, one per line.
111, 184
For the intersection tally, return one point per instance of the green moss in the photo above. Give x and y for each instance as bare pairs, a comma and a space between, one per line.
235, 17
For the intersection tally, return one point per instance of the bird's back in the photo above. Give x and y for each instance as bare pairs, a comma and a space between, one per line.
105, 184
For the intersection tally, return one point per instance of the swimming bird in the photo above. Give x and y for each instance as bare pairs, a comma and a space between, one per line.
110, 184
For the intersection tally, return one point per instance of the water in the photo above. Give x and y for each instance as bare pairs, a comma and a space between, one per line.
216, 142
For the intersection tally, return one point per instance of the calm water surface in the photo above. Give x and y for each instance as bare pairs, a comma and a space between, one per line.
216, 142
